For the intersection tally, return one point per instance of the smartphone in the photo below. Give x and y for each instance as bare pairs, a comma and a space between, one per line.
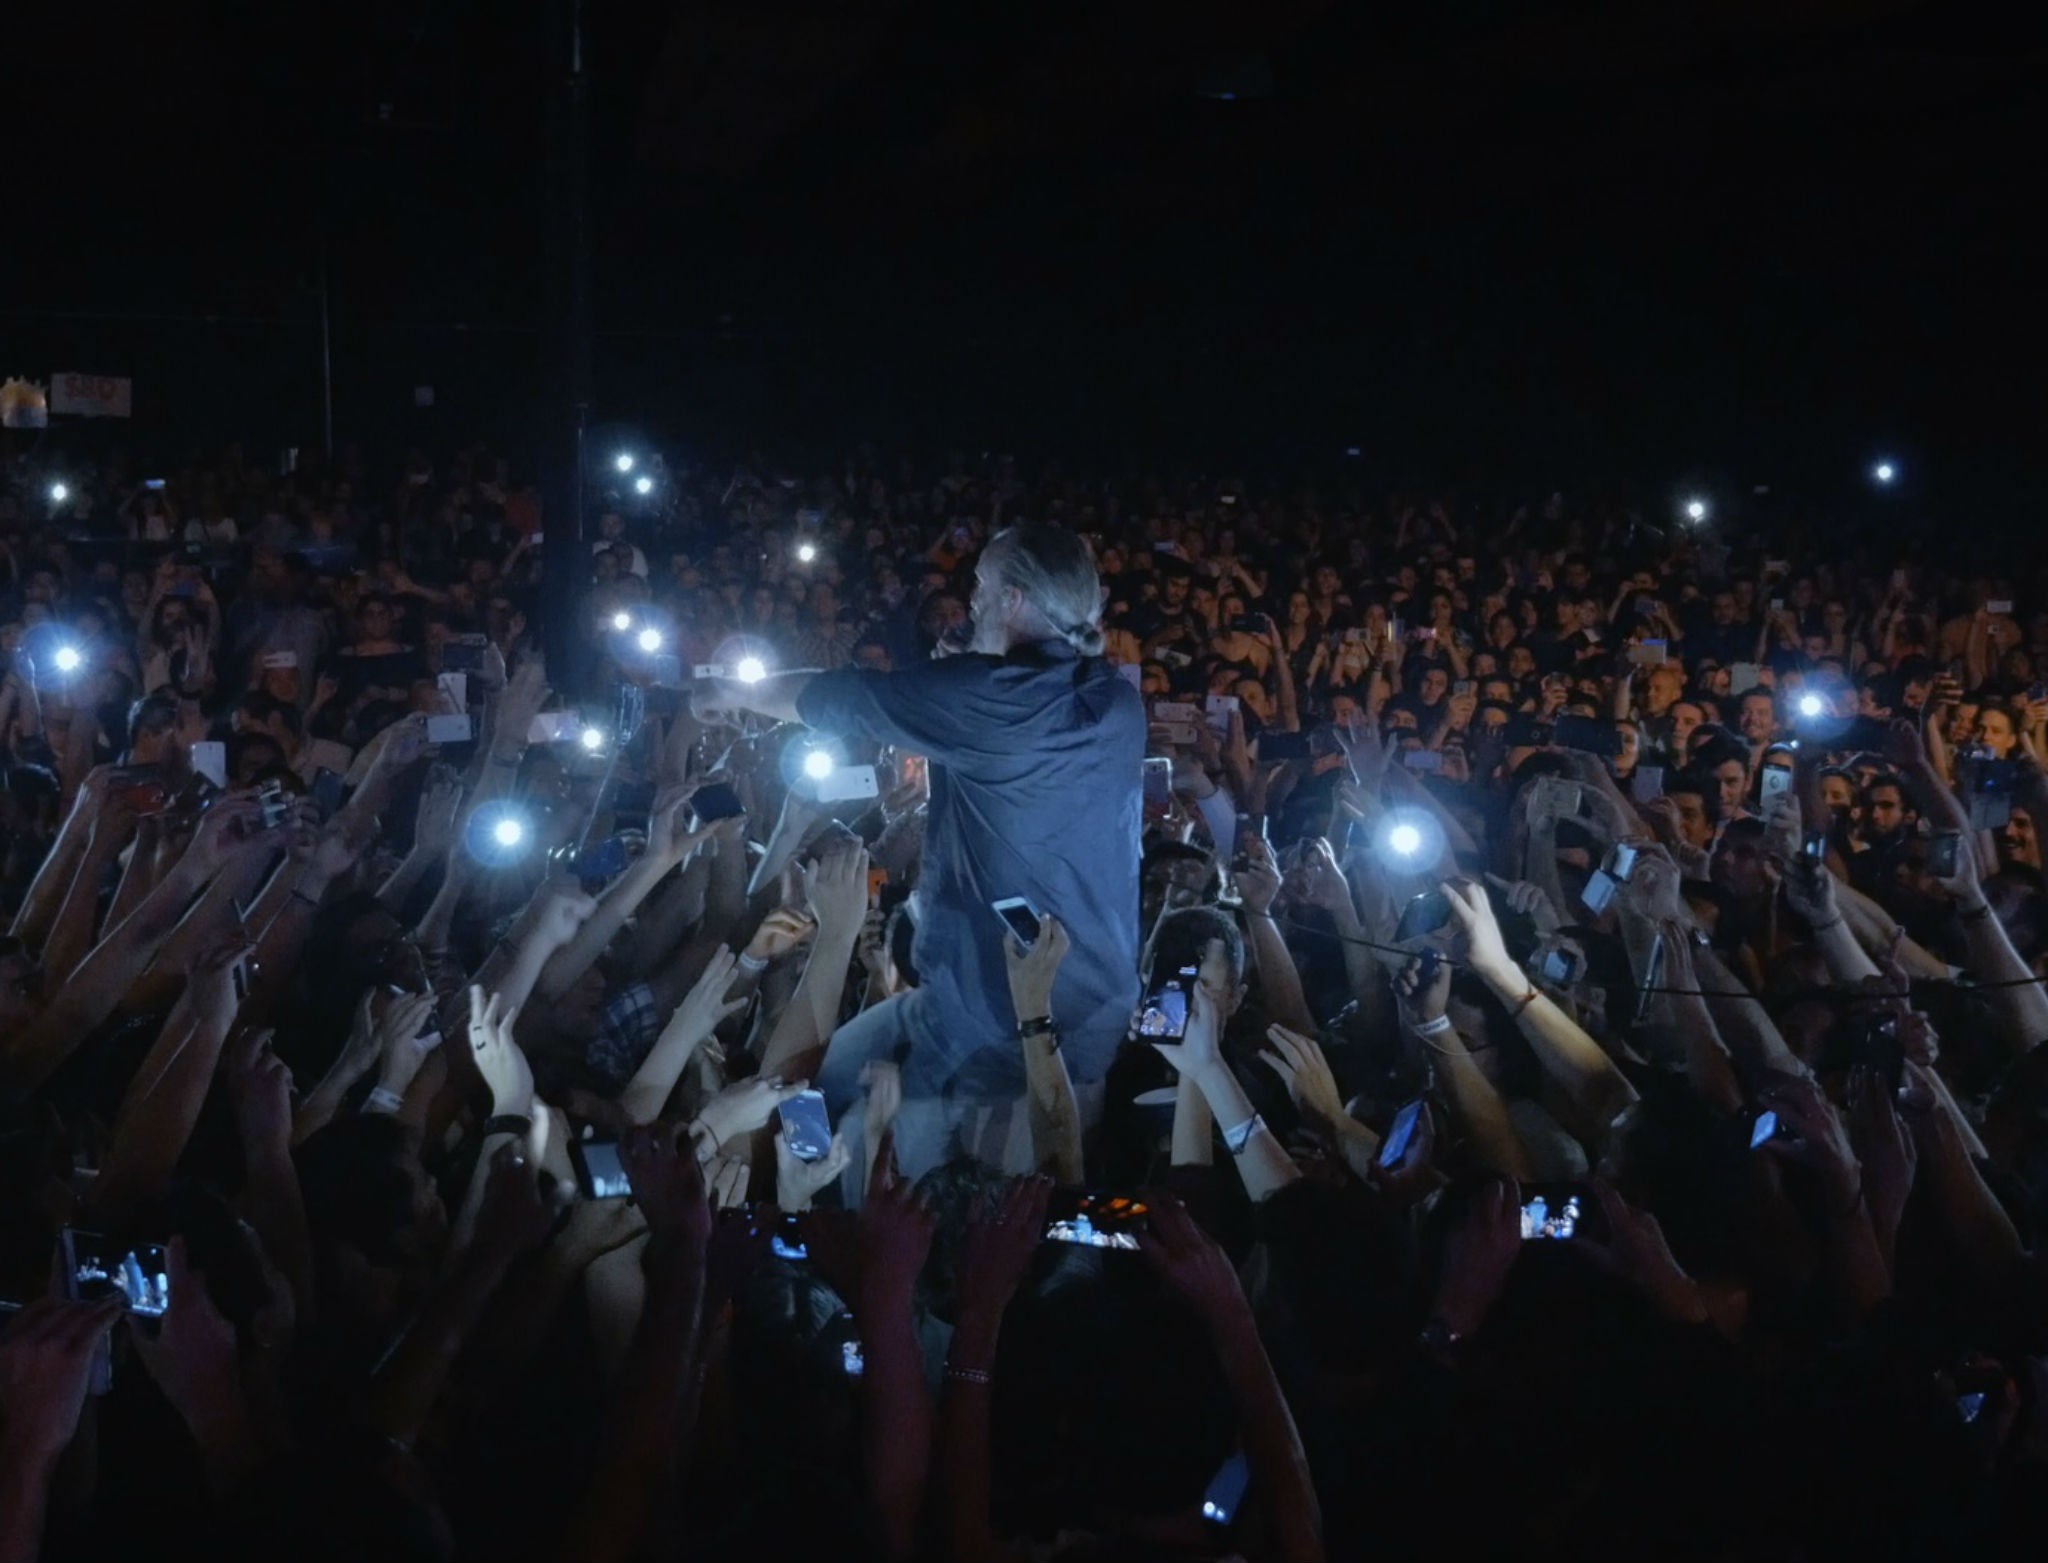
601, 862
1767, 1128
716, 802
1589, 734
1999, 606
1429, 761
1621, 861
2036, 693
1175, 712
787, 1242
1463, 686
1814, 848
1944, 854
1649, 653
1158, 785
1776, 781
600, 1169
1423, 916
1220, 706
210, 759
849, 783
1559, 967
1598, 892
1020, 917
1400, 1134
1164, 1010
1647, 783
1282, 746
459, 658
1553, 1214
1227, 1488
806, 1127
1097, 1221
456, 729
1653, 977
95, 1267
456, 687
277, 808
280, 661
326, 792
1180, 734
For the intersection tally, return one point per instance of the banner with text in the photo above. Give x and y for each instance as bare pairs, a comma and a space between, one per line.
91, 396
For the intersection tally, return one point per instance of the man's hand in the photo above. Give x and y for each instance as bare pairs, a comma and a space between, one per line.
514, 1219
895, 1234
1528, 899
781, 931
668, 1186
1365, 751
234, 820
212, 980
1033, 971
1485, 951
1200, 1049
525, 693
1001, 1238
1423, 1001
261, 1084
46, 1358
434, 826
498, 1058
743, 1107
558, 912
1478, 1254
669, 836
705, 1007
798, 1182
836, 884
1818, 1140
1190, 1262
1318, 880
1300, 1064
1635, 1250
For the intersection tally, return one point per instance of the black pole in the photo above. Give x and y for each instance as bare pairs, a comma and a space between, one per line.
565, 556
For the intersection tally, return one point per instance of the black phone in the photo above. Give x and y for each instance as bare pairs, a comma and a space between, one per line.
1283, 746
1020, 917
326, 792
458, 658
1423, 916
1164, 1013
600, 1169
716, 802
1945, 853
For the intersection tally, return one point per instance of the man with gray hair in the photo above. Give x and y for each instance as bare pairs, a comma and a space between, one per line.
1036, 747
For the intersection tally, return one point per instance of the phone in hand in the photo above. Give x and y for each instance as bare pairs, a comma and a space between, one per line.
1776, 781
1282, 746
1944, 854
1553, 1213
806, 1126
210, 759
95, 1266
1423, 916
459, 658
849, 783
1163, 1014
1589, 734
1400, 1135
1647, 783
1766, 1127
1226, 1490
715, 802
1097, 1220
1158, 791
600, 1168
1020, 917
326, 791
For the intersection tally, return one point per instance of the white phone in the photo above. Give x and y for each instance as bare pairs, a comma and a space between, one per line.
847, 783
1020, 917
210, 759
554, 727
449, 729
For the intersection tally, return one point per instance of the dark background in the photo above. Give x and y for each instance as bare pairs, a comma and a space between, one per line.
1747, 242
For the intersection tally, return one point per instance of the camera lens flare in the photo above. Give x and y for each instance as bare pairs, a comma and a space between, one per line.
622, 621
1405, 839
1811, 705
498, 834
643, 484
649, 639
1408, 841
1696, 510
59, 492
508, 832
68, 659
591, 738
751, 670
623, 462
818, 764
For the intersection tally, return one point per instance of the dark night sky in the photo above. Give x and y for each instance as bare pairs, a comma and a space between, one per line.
1760, 239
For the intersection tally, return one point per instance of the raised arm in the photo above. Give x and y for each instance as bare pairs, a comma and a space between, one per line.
1055, 1115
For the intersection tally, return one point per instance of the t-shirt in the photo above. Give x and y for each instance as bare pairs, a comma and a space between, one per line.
1036, 769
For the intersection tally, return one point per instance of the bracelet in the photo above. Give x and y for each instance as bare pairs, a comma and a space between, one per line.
1977, 914
1042, 1026
1432, 1028
508, 1123
383, 1100
750, 964
1524, 1002
1235, 1140
980, 1376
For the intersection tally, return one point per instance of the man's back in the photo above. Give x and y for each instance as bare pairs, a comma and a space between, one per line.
1036, 766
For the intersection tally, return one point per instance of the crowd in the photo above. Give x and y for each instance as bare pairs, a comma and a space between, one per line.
1576, 1091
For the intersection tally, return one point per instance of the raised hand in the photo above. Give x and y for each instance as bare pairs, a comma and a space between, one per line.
670, 837
1189, 1261
1302, 1068
705, 1007
558, 912
668, 1186
1258, 881
261, 1085
1485, 951
798, 1182
498, 1058
883, 1083
781, 931
895, 1232
514, 1219
1635, 1251
434, 826
1200, 1049
1365, 751
1001, 1238
744, 1106
46, 1358
1033, 971
1885, 1148
836, 884
1819, 1139
1478, 1253
1528, 899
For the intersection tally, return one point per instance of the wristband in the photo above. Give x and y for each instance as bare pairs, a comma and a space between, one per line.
751, 965
980, 1376
508, 1123
1042, 1026
1236, 1139
1828, 926
386, 1100
1432, 1028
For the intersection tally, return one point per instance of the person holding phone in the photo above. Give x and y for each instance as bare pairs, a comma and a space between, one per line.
1035, 743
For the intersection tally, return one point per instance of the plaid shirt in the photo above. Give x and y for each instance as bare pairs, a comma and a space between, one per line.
626, 1035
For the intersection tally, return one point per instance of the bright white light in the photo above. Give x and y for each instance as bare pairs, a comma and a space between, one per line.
1405, 839
59, 492
508, 832
623, 462
1811, 705
1696, 509
807, 552
592, 738
818, 765
648, 639
1884, 472
751, 670
68, 659
622, 621
643, 484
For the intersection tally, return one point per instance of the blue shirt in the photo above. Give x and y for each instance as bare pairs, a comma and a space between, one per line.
1037, 762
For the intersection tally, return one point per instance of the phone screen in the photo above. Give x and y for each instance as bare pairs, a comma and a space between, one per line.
1400, 1134
1766, 1128
600, 1169
1098, 1221
95, 1267
1551, 1217
1226, 1490
1021, 918
716, 802
1423, 916
1777, 780
1158, 785
806, 1126
1165, 1010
